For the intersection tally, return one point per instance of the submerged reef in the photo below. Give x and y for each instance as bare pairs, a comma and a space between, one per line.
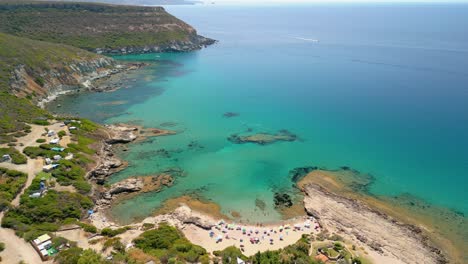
263, 138
282, 200
230, 114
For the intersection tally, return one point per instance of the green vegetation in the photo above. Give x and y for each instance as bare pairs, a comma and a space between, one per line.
296, 253
36, 216
229, 255
40, 140
169, 245
61, 133
44, 150
14, 111
109, 232
114, 243
11, 183
90, 26
82, 145
36, 57
88, 228
16, 156
76, 255
83, 124
147, 226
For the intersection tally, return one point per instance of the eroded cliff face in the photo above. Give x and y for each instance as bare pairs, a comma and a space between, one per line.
45, 84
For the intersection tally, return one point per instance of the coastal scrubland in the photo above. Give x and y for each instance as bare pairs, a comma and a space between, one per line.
93, 26
11, 182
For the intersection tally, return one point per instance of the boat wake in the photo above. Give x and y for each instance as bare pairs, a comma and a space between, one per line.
307, 39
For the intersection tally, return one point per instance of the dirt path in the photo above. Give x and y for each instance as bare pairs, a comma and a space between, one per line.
33, 167
16, 248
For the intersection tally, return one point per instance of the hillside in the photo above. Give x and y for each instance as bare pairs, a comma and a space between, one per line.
32, 69
101, 28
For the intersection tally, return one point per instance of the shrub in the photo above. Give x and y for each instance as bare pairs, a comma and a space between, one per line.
16, 156
114, 243
61, 133
41, 122
88, 228
147, 226
229, 254
113, 232
169, 245
11, 183
337, 246
69, 256
356, 261
40, 140
2, 246
82, 187
90, 256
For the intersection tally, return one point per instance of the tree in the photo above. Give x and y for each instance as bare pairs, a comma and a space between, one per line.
90, 257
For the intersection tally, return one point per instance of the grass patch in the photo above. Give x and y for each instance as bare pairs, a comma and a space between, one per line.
82, 145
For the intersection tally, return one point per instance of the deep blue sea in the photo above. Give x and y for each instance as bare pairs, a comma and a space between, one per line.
379, 88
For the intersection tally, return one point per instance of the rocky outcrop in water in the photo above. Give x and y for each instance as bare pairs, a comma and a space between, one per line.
263, 138
133, 185
121, 134
126, 186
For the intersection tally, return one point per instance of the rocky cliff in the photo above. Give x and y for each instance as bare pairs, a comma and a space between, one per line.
46, 84
101, 28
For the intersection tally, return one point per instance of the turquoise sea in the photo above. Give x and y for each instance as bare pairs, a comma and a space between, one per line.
379, 88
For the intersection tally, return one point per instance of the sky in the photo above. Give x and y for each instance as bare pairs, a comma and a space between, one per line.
335, 1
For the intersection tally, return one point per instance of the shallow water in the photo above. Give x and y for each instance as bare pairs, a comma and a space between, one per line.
384, 91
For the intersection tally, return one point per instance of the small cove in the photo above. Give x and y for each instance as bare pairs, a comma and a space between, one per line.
393, 106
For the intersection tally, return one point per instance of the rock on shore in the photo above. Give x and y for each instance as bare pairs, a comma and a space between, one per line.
399, 242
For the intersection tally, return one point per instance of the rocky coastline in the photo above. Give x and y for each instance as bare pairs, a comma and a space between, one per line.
195, 42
